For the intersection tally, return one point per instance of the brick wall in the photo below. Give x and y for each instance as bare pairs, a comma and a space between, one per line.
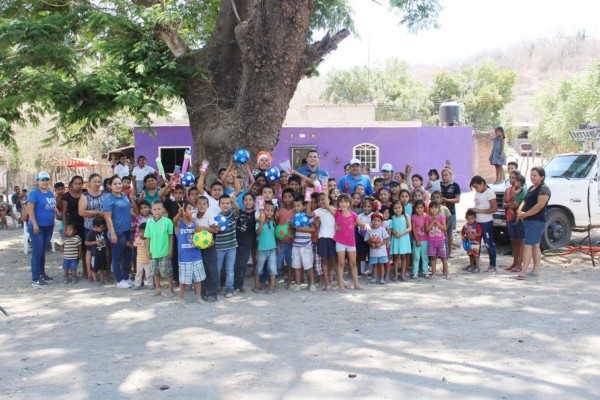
482, 148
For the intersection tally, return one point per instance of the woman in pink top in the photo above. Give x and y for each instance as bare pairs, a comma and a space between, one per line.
345, 242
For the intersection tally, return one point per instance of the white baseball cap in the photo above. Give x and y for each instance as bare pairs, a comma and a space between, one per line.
43, 175
387, 167
355, 161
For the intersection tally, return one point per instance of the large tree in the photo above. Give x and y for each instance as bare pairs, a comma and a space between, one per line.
390, 86
234, 63
483, 92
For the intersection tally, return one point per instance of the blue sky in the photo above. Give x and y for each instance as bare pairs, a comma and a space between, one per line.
467, 28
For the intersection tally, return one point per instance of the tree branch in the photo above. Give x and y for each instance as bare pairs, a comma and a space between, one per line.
172, 39
318, 50
146, 3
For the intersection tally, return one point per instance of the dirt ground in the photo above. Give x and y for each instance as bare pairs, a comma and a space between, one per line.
475, 336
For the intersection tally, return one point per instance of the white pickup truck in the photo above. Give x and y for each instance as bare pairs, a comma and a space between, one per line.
573, 182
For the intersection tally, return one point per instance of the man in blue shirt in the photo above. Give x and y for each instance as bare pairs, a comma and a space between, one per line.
312, 166
348, 183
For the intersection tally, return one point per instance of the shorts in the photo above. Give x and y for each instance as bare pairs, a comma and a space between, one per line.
69, 264
326, 248
533, 231
342, 248
191, 272
302, 257
474, 250
378, 260
451, 221
162, 267
515, 231
436, 249
99, 264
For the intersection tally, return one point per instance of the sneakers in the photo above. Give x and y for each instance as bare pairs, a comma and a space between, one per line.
47, 278
67, 280
296, 288
312, 288
229, 294
150, 287
123, 285
130, 282
137, 287
39, 282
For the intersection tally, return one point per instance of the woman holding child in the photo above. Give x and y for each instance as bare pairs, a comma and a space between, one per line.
532, 214
90, 207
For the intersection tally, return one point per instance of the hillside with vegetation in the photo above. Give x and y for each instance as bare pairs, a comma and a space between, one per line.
554, 90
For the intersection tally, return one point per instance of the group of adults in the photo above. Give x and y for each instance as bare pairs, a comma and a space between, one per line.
81, 207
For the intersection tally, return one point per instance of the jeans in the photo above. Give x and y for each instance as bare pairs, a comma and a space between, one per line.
210, 286
285, 252
420, 255
121, 256
229, 257
268, 257
39, 245
241, 262
487, 234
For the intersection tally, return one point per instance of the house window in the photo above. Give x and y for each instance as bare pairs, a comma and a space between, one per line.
367, 154
171, 156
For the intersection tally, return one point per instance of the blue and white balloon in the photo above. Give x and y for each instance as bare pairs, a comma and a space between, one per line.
222, 222
188, 179
272, 174
241, 156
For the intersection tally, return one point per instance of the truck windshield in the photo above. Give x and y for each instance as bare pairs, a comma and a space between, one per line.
576, 166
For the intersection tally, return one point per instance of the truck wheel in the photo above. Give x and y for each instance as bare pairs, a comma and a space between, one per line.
558, 230
501, 235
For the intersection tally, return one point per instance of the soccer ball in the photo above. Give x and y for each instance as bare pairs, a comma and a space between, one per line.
241, 156
301, 220
202, 239
187, 179
272, 174
222, 222
283, 231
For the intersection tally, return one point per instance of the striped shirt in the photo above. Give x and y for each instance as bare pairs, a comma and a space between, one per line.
302, 239
71, 247
143, 255
225, 240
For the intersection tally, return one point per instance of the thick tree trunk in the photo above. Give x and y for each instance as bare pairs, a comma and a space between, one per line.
255, 64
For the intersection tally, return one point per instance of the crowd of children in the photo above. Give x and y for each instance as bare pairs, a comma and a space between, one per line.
302, 229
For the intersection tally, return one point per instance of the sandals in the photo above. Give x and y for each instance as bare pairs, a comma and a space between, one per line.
515, 269
270, 291
521, 278
257, 289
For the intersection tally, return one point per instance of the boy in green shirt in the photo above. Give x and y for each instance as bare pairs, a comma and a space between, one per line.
159, 232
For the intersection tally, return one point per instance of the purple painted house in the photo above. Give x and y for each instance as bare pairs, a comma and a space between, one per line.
423, 147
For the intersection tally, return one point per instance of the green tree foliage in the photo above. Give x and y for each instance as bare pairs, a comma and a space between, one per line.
564, 107
482, 91
391, 87
86, 61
